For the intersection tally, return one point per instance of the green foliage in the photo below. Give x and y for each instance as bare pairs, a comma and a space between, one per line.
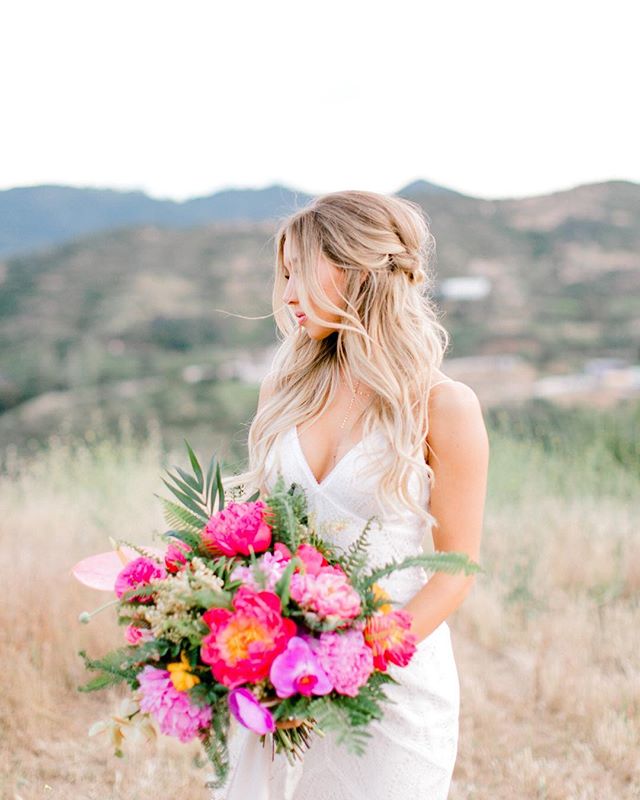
188, 537
122, 664
289, 513
215, 743
197, 495
283, 584
335, 716
354, 560
450, 563
177, 516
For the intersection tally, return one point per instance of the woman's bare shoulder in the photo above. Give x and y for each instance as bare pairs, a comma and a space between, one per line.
452, 392
455, 415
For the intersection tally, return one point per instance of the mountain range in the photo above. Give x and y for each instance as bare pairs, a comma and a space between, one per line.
35, 217
104, 306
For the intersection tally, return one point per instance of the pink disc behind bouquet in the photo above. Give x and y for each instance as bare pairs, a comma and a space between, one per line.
100, 571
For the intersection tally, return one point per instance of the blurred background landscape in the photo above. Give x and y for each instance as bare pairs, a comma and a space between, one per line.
116, 346
150, 150
113, 303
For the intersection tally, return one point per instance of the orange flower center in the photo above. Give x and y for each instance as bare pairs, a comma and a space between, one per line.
237, 636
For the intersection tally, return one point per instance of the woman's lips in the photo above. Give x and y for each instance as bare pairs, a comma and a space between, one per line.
301, 318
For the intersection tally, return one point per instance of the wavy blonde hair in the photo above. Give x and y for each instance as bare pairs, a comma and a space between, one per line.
389, 336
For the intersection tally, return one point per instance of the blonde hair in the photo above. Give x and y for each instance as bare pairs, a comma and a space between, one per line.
389, 336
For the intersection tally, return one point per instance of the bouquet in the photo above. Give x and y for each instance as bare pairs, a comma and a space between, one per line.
248, 614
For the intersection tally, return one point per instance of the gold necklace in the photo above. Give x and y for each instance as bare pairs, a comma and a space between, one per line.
353, 397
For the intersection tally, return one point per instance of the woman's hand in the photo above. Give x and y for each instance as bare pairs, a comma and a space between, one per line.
289, 723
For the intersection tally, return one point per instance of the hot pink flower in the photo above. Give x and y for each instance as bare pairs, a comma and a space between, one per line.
174, 710
345, 658
174, 558
138, 572
390, 639
238, 528
243, 643
328, 594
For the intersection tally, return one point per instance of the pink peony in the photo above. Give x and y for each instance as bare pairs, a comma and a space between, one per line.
135, 635
327, 594
345, 658
174, 710
390, 639
271, 565
175, 557
139, 572
238, 529
243, 642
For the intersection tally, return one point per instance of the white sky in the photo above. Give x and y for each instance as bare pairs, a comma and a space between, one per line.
183, 98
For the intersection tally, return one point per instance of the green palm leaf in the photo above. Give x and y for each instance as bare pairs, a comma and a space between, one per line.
177, 516
196, 466
188, 502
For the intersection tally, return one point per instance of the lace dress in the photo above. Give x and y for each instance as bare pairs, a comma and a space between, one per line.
412, 750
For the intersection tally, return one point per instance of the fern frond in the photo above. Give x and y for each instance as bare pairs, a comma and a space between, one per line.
215, 744
448, 562
177, 516
329, 716
354, 559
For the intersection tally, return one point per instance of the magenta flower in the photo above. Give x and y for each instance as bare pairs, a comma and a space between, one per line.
139, 572
249, 712
176, 713
297, 669
327, 594
237, 529
346, 658
175, 557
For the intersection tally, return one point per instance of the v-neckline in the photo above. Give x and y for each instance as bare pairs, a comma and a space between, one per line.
320, 484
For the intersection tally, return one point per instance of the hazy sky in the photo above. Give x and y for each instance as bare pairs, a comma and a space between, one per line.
180, 99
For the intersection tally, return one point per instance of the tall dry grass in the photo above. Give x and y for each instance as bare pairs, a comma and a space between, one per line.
547, 643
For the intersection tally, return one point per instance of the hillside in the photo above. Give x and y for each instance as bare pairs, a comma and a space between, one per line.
142, 305
37, 217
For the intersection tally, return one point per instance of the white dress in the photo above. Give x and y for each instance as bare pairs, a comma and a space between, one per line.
412, 750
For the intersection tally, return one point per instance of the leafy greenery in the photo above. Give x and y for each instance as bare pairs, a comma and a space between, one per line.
122, 664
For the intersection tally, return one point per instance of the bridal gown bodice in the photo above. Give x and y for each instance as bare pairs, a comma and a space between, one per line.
344, 500
412, 750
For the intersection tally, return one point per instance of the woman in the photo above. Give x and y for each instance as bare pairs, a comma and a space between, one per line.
350, 410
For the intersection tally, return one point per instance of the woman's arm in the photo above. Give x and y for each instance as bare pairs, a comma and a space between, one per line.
459, 456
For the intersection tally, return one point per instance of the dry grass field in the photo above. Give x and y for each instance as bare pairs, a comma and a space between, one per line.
547, 643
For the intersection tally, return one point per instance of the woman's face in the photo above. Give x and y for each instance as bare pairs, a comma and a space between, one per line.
331, 278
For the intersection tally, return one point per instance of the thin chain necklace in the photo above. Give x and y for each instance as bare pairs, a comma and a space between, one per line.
346, 416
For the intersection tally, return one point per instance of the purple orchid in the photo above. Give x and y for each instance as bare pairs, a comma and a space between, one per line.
249, 712
297, 669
